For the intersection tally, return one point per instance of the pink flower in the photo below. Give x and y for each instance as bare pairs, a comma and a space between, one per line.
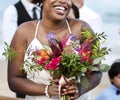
40, 61
53, 64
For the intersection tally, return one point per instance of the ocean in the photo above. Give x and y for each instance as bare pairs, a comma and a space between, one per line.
110, 13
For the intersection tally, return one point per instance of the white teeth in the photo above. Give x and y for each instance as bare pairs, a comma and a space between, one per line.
60, 8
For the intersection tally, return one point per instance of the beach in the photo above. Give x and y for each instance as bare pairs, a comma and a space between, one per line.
111, 23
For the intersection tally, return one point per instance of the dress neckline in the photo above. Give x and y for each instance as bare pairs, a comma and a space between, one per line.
38, 24
36, 41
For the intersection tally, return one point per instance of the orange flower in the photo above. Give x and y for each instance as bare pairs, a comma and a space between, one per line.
42, 53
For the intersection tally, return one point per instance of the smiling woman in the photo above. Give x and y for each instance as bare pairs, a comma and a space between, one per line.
38, 45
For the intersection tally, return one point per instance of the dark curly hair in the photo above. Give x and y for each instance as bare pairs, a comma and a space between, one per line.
75, 10
37, 1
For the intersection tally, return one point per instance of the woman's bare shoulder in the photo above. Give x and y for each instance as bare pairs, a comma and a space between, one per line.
24, 33
77, 26
79, 23
85, 26
74, 21
26, 29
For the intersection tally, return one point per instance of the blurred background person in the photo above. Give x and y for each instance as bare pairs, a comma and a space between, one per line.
16, 14
89, 16
113, 91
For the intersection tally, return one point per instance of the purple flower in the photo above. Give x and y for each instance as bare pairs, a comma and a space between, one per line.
50, 36
55, 44
73, 37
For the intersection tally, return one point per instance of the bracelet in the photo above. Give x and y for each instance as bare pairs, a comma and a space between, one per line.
46, 91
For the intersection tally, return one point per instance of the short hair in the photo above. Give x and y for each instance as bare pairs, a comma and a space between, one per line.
115, 69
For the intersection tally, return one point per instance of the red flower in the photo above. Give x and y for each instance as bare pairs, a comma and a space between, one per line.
54, 63
40, 61
89, 71
85, 56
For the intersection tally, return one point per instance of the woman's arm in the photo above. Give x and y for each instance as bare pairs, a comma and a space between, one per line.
94, 80
16, 77
95, 77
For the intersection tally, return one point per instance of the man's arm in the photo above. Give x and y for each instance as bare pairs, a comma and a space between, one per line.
9, 23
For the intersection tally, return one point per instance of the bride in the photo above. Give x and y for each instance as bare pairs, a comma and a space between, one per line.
35, 84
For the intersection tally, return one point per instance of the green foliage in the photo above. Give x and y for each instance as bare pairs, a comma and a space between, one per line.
72, 65
84, 81
9, 52
65, 97
104, 67
97, 48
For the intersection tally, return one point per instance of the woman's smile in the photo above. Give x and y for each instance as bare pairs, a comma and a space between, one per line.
61, 10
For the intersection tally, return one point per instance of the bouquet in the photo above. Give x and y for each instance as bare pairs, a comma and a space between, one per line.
71, 58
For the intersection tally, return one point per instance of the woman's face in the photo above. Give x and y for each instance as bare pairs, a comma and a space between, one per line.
56, 9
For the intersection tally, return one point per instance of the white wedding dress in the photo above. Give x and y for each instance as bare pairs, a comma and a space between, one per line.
41, 77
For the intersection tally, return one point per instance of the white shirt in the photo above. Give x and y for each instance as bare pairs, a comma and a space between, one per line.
92, 18
10, 19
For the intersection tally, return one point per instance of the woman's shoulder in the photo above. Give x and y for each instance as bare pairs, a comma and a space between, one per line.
77, 23
25, 32
26, 28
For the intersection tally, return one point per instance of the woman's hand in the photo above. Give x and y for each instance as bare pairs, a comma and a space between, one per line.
71, 89
53, 90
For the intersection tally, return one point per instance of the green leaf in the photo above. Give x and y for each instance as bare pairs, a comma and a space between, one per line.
84, 81
98, 60
83, 69
65, 97
104, 67
95, 69
9, 52
47, 48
